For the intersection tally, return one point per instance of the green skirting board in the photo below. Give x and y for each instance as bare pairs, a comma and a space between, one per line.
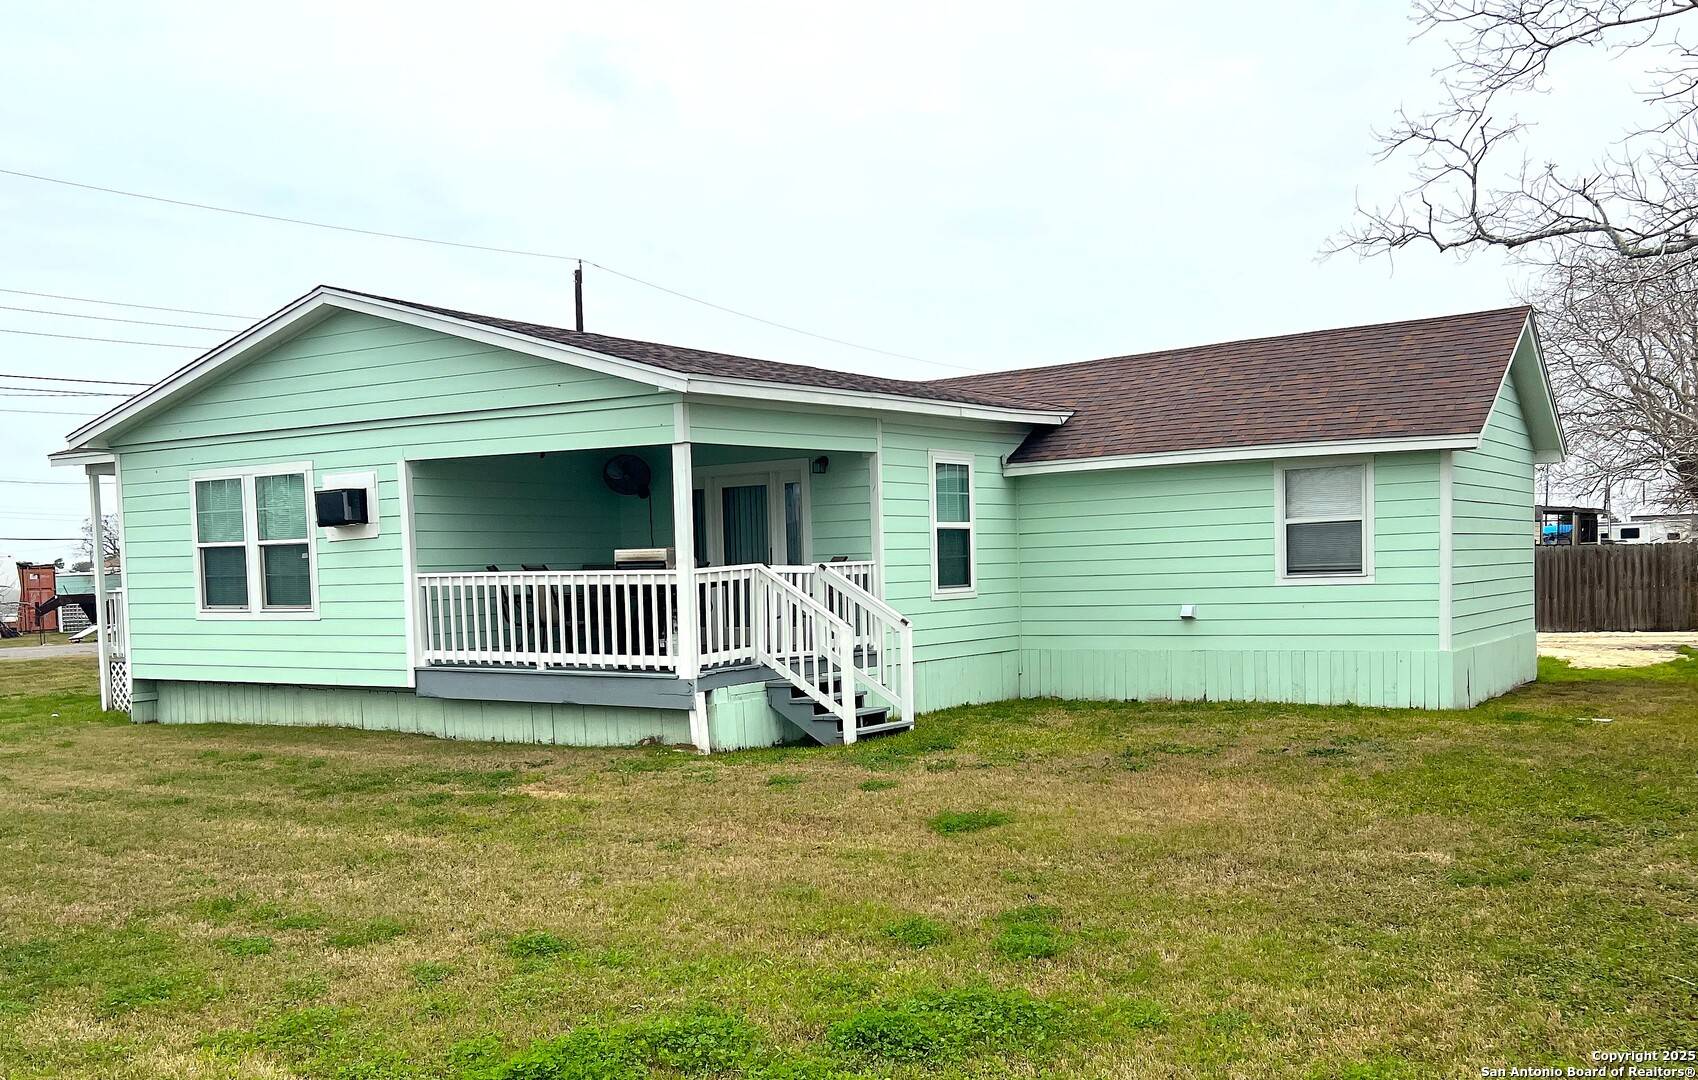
1404, 679
739, 717
401, 710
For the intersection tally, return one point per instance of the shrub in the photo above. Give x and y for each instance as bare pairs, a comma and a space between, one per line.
952, 822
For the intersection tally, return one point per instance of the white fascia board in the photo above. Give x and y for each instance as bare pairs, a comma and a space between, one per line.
1530, 329
318, 304
1245, 453
81, 457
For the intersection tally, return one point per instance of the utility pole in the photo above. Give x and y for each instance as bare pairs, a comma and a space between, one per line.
578, 293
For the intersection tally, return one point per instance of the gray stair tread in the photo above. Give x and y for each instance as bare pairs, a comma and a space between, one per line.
874, 729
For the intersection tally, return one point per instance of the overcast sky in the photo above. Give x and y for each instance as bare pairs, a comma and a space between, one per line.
980, 185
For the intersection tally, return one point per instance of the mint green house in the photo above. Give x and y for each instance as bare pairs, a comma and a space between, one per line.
376, 513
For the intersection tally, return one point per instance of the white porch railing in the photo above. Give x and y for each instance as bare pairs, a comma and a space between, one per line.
624, 619
726, 592
112, 624
598, 619
798, 637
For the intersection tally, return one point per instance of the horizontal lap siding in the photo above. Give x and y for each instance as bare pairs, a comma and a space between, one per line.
753, 425
1493, 516
1108, 558
965, 649
841, 508
508, 512
353, 394
1493, 605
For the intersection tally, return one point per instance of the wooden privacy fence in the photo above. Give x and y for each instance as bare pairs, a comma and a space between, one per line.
1616, 587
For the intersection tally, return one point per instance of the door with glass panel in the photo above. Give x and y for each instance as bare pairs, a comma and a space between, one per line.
752, 515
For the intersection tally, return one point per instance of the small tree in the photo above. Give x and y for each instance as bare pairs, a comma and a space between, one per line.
109, 537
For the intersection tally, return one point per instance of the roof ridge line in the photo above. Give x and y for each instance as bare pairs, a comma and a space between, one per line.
1527, 308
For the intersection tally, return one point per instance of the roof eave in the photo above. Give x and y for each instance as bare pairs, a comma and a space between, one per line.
1267, 452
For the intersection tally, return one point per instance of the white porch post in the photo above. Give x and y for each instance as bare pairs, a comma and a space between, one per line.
103, 631
684, 559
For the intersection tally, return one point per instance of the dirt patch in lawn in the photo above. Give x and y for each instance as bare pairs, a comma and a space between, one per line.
1613, 650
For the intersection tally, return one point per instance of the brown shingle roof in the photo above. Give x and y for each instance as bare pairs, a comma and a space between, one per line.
1425, 377
687, 361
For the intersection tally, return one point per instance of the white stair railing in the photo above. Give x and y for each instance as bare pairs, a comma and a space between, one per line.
799, 637
884, 638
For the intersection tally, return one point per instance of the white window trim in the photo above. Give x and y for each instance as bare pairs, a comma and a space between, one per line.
251, 544
971, 525
1366, 576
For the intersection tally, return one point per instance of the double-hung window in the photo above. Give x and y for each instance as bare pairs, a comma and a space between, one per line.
1325, 522
954, 569
253, 543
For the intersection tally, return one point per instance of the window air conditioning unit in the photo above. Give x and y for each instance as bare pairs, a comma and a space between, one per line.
338, 507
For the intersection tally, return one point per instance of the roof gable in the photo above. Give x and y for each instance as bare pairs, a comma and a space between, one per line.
664, 367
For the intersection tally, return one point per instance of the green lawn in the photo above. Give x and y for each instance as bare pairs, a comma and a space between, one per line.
1027, 889
34, 638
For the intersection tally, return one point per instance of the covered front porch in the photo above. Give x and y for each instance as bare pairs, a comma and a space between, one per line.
599, 577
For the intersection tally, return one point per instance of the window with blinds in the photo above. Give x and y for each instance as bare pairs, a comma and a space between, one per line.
253, 543
1325, 524
952, 525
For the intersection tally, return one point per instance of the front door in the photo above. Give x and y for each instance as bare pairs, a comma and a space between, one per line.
752, 514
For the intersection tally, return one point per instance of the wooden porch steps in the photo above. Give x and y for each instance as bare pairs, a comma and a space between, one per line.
823, 726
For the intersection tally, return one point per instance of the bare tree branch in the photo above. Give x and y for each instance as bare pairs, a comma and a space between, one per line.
1638, 199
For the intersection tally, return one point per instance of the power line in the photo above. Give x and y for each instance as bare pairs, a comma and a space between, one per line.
769, 322
121, 303
48, 412
524, 252
108, 340
42, 539
67, 378
43, 483
113, 318
57, 391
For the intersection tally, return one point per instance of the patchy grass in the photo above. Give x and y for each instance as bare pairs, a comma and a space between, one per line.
952, 822
1029, 933
537, 945
1177, 890
916, 932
